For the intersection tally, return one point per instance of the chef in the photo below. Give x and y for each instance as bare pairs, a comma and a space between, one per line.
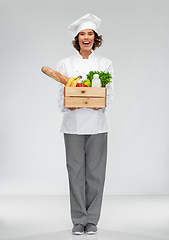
85, 130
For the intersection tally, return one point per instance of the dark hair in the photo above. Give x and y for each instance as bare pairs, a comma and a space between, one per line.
97, 42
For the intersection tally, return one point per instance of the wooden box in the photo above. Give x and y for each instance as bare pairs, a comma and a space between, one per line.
85, 97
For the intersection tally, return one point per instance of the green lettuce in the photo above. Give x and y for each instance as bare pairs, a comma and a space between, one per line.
104, 77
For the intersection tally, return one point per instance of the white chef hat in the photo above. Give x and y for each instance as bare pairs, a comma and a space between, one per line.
88, 21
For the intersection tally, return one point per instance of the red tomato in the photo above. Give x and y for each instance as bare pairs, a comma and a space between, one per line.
84, 85
78, 85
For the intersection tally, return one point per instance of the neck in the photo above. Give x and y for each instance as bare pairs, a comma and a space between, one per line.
85, 54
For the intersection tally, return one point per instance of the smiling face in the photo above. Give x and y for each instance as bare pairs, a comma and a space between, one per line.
86, 40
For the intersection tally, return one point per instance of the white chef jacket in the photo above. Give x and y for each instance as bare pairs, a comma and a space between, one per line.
84, 120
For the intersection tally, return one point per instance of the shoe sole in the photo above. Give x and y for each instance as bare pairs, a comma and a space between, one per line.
77, 233
91, 233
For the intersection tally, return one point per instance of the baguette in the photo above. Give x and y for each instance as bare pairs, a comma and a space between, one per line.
55, 75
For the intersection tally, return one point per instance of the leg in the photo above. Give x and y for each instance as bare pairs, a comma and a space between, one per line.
75, 158
96, 156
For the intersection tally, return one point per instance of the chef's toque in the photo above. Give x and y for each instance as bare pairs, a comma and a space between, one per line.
88, 21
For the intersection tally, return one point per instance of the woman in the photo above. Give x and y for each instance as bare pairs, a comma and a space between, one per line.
85, 129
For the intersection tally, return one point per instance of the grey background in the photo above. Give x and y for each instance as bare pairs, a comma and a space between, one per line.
136, 36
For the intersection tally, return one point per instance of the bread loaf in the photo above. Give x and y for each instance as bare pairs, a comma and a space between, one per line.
55, 75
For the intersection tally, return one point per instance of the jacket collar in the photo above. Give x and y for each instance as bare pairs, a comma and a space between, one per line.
90, 56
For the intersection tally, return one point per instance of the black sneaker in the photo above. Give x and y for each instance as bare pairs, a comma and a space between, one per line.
90, 229
78, 229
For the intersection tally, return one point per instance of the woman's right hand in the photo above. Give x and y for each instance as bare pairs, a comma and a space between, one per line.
74, 108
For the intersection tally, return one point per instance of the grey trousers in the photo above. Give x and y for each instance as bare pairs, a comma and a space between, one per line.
86, 157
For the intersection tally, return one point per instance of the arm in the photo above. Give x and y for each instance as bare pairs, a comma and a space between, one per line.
60, 95
110, 89
110, 86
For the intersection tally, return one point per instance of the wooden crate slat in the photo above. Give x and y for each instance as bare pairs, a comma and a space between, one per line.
84, 102
85, 91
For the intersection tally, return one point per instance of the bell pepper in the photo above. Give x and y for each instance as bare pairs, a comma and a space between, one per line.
79, 85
